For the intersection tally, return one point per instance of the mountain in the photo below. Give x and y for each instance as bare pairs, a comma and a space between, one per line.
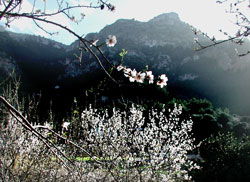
164, 43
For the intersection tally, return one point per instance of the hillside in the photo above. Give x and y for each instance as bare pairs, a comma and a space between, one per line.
165, 44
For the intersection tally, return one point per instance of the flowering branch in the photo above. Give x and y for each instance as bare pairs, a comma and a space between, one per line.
141, 76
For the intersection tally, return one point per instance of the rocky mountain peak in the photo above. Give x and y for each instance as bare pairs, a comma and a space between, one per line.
171, 17
164, 29
164, 43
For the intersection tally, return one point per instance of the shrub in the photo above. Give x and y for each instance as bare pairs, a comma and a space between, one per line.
119, 149
226, 158
135, 151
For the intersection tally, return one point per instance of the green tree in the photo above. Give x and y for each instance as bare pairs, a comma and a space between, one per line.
224, 158
204, 118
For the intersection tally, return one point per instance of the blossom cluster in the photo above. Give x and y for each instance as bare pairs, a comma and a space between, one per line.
131, 145
141, 76
125, 139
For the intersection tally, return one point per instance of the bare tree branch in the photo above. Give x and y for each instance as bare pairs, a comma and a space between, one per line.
74, 144
242, 21
6, 9
84, 41
16, 114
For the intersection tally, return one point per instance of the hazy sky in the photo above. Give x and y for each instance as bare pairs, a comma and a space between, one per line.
206, 15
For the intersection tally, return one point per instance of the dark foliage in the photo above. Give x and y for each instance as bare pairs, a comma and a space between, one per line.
224, 158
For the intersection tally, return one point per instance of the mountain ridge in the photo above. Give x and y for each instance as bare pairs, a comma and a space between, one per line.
164, 43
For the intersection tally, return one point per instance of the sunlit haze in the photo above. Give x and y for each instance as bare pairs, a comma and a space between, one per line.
206, 15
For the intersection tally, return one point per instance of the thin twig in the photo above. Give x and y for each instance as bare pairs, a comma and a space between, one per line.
214, 44
104, 57
6, 9
29, 127
15, 6
100, 63
71, 32
44, 127
66, 9
13, 114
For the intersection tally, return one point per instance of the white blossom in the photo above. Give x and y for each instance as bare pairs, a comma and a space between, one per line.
163, 80
65, 125
132, 76
150, 77
111, 41
140, 77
